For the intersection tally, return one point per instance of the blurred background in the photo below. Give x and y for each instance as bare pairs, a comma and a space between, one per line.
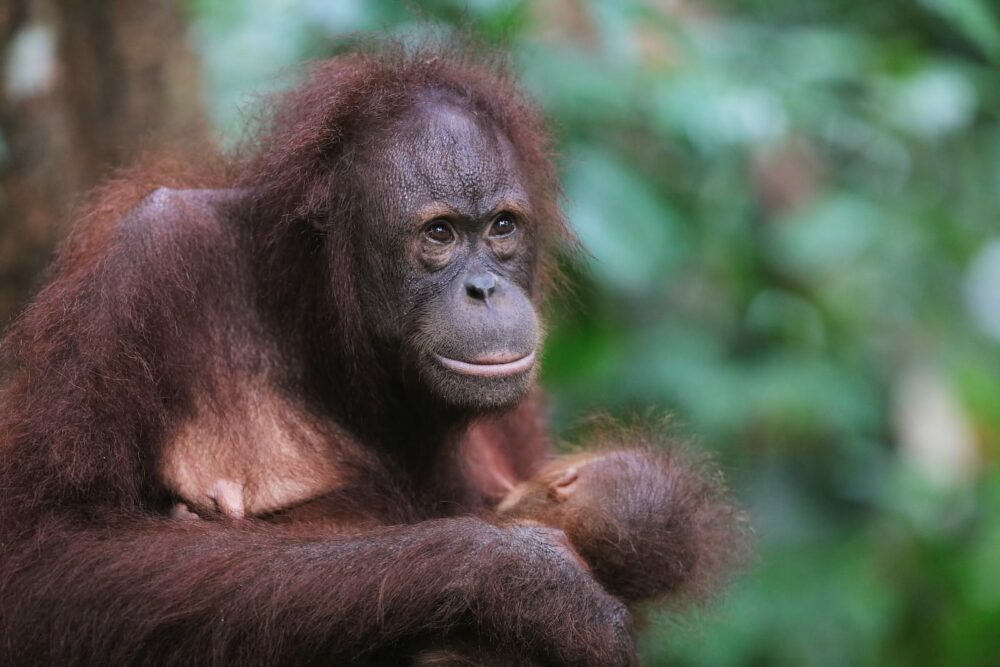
792, 213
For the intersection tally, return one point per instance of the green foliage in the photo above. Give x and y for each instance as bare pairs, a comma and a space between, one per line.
788, 206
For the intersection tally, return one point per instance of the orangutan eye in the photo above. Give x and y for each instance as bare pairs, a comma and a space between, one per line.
439, 231
504, 225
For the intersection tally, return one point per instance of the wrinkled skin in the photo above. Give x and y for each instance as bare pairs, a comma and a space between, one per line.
451, 256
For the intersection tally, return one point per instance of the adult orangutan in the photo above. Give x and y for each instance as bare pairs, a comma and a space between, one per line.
325, 352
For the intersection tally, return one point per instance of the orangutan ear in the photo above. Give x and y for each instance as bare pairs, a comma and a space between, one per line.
564, 485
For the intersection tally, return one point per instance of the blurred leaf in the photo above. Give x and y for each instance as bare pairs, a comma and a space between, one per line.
826, 238
715, 113
932, 102
974, 19
630, 235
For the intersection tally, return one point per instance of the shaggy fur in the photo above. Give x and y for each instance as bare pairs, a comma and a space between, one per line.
205, 322
650, 518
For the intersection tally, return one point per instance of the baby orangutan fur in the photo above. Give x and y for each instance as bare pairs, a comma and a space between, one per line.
650, 520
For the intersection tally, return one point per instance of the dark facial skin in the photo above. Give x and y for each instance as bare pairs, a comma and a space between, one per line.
451, 258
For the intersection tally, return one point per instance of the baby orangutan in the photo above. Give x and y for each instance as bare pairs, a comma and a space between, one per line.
648, 521
651, 522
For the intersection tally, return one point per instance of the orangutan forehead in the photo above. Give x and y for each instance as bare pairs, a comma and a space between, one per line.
447, 154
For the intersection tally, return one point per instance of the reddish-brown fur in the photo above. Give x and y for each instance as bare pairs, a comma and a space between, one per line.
171, 315
648, 517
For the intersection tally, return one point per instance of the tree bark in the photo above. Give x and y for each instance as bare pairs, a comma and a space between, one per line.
86, 86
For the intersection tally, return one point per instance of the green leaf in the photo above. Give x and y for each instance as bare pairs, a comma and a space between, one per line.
631, 235
974, 19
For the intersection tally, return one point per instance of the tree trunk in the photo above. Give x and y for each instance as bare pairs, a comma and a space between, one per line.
86, 86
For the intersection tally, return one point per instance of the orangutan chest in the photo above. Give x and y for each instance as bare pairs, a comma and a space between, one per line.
258, 456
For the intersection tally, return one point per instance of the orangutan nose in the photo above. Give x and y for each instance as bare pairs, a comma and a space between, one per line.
481, 286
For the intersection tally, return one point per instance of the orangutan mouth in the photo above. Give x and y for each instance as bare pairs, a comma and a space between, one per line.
489, 366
